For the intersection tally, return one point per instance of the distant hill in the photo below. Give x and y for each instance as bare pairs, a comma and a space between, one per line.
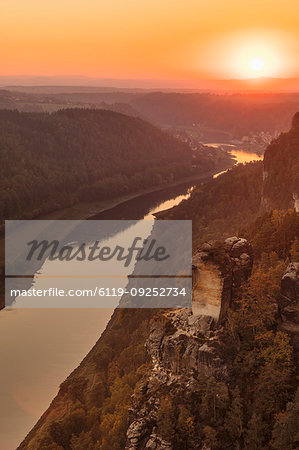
48, 101
50, 161
235, 114
85, 83
218, 118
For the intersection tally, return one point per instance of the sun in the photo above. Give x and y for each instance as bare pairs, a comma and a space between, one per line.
257, 64
247, 54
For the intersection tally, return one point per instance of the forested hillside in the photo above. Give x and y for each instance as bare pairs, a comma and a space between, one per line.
281, 170
218, 116
50, 161
223, 206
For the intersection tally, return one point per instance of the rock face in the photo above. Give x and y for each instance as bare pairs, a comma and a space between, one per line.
181, 345
288, 303
184, 343
219, 268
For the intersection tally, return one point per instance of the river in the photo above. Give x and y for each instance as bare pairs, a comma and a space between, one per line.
40, 347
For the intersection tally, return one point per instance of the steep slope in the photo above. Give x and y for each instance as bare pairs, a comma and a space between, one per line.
281, 171
224, 206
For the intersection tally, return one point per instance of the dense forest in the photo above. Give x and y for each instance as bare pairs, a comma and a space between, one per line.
50, 161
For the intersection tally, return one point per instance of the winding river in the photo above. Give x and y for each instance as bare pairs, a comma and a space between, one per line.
40, 347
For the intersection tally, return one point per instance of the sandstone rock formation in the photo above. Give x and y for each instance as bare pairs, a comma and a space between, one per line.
183, 343
181, 346
219, 268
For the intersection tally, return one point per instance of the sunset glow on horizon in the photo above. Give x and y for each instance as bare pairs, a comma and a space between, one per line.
151, 40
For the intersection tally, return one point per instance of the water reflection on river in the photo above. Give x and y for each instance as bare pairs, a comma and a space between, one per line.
244, 157
241, 157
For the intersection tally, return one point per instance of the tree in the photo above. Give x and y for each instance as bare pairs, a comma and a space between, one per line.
258, 302
233, 423
185, 425
113, 429
166, 419
62, 431
210, 439
215, 397
84, 440
285, 434
254, 433
274, 348
295, 250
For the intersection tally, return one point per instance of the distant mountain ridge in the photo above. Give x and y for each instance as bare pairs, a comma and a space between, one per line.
250, 84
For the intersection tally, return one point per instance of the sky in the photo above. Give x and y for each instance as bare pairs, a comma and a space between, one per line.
150, 39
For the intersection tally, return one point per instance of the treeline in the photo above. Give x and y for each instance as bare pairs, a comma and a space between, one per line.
51, 161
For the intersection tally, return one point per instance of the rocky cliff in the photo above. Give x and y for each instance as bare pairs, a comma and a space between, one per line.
281, 171
185, 344
181, 347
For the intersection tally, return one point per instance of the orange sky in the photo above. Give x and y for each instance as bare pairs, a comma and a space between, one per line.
163, 39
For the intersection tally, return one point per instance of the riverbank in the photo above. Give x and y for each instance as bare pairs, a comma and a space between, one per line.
87, 210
